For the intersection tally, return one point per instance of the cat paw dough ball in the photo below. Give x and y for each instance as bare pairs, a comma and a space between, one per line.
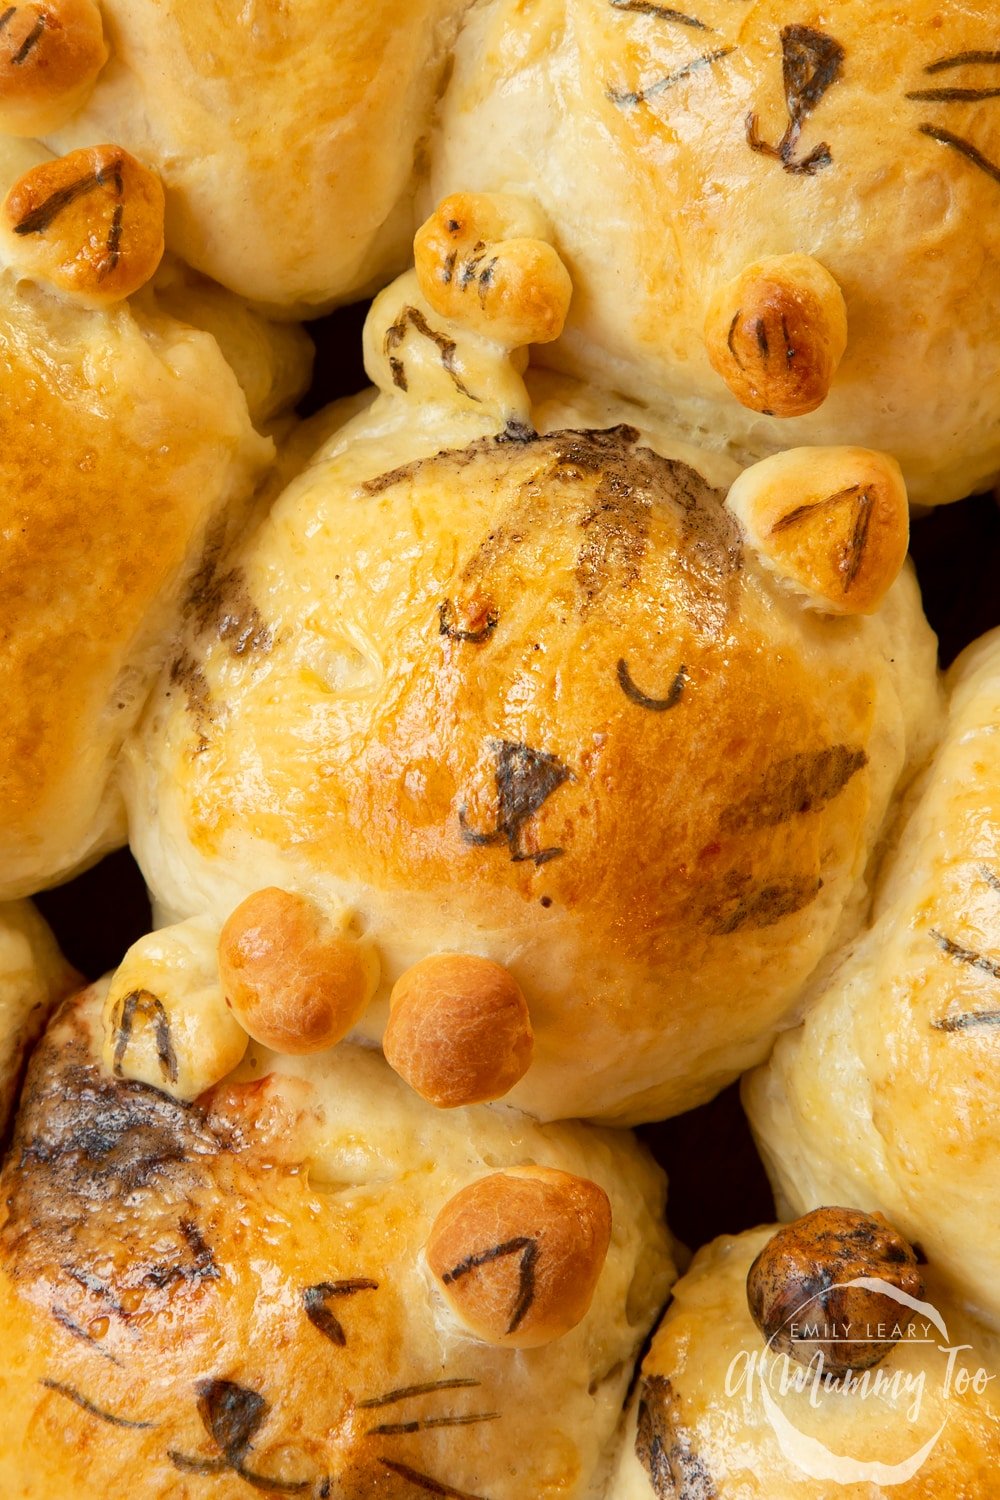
232, 1292
866, 1260
293, 981
783, 225
459, 1031
777, 333
165, 1019
832, 522
486, 261
723, 1411
129, 449
887, 1094
533, 694
50, 55
89, 224
518, 1254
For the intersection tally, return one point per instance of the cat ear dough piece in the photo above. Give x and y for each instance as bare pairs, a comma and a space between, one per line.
485, 260
292, 981
832, 522
518, 1255
89, 224
777, 333
50, 56
459, 1032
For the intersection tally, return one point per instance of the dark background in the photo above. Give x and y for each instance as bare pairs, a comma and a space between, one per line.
717, 1183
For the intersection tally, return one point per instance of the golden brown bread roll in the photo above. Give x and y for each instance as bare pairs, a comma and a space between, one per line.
721, 1415
744, 164
289, 137
232, 1294
887, 1096
33, 976
517, 686
126, 440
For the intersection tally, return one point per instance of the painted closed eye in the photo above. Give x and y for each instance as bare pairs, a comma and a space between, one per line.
979, 75
701, 62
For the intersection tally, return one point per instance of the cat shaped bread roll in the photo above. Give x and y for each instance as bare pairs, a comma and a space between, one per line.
128, 433
723, 1410
520, 686
887, 1095
33, 976
288, 138
783, 222
308, 1281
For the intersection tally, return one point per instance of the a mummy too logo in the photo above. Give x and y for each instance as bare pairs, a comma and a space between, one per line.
814, 1374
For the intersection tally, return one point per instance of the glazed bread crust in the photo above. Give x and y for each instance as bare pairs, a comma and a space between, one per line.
887, 1095
699, 1426
236, 1288
532, 698
674, 148
33, 976
288, 136
126, 435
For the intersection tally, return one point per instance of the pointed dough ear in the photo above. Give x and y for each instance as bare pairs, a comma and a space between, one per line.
832, 522
777, 333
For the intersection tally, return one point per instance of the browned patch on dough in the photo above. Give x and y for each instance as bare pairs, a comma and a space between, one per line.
798, 784
609, 489
84, 1146
663, 1446
745, 905
220, 604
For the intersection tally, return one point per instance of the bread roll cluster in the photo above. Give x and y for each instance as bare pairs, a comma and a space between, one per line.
519, 750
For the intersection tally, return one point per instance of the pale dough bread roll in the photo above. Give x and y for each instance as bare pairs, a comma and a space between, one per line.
537, 698
126, 439
700, 1427
675, 148
888, 1095
33, 976
233, 1294
289, 137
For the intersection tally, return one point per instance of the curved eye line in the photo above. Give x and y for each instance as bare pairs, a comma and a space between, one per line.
662, 13
636, 695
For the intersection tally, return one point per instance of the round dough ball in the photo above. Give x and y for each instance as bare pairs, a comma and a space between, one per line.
293, 982
459, 1031
888, 1095
530, 696
718, 1416
518, 1255
232, 1295
674, 149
